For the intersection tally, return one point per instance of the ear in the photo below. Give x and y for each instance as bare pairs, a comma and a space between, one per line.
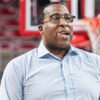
40, 28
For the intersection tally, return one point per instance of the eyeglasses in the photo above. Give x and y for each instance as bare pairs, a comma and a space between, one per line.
55, 18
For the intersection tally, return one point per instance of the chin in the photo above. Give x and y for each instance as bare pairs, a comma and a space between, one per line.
63, 47
65, 44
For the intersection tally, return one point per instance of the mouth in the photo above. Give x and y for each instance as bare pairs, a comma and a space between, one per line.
64, 34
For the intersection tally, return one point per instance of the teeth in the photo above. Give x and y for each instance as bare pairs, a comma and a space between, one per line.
63, 32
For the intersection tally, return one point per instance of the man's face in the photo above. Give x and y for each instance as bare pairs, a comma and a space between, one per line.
56, 34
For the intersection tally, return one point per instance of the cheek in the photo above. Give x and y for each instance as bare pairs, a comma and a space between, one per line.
50, 29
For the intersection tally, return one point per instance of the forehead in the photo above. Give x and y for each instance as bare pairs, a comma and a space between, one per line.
56, 8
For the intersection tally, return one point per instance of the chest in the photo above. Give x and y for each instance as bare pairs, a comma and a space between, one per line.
62, 79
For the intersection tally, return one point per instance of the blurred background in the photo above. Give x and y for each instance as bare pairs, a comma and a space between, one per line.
18, 26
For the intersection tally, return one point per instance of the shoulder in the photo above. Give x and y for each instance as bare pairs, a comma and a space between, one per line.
88, 56
24, 58
21, 64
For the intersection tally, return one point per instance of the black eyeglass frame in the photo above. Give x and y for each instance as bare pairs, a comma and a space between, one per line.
69, 18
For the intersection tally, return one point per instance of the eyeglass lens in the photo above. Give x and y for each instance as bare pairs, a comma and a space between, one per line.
56, 17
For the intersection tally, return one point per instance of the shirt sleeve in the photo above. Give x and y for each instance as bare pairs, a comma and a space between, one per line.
11, 84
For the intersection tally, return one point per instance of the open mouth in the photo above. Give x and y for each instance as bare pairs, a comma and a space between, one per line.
64, 34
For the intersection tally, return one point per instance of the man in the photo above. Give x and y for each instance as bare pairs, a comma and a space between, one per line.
55, 70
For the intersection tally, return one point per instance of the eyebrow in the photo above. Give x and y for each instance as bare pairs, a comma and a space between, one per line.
58, 13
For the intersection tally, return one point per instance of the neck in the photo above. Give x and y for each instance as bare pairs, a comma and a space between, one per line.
59, 52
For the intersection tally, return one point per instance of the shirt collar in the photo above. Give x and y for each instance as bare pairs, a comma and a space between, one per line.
73, 51
42, 50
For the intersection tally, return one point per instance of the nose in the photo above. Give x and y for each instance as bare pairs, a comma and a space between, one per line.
62, 22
